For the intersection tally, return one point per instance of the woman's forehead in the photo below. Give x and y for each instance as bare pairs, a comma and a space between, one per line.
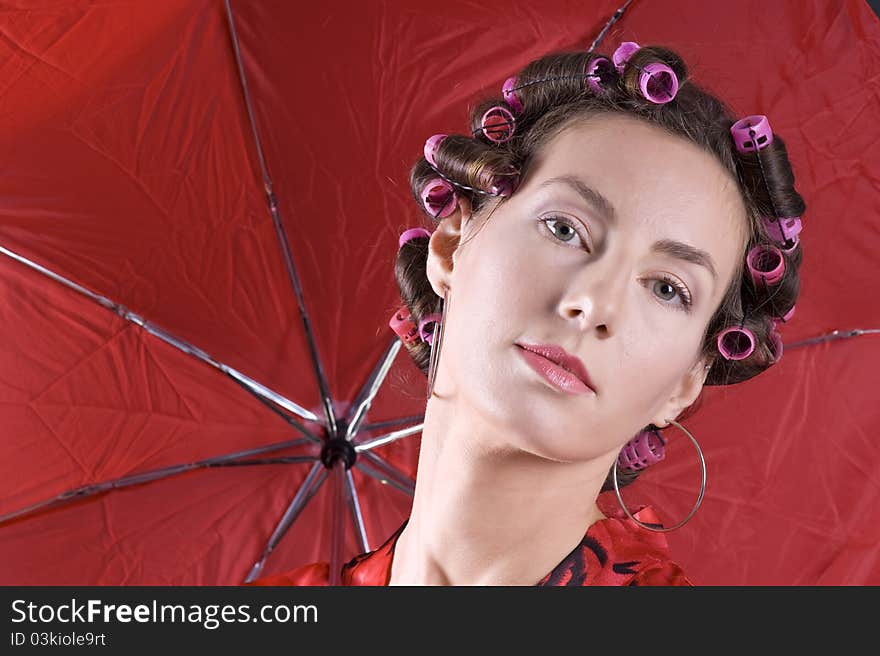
641, 169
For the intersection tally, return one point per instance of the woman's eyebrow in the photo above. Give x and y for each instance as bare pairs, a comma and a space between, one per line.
687, 253
590, 196
603, 206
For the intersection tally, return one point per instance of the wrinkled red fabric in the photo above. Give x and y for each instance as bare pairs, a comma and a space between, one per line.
614, 551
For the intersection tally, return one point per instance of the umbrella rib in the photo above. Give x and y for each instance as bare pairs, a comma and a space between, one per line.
91, 489
290, 420
387, 438
283, 241
367, 393
386, 471
316, 476
357, 518
611, 21
382, 478
282, 460
833, 335
337, 522
366, 428
386, 466
251, 386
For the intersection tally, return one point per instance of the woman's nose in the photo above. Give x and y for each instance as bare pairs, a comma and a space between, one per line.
595, 296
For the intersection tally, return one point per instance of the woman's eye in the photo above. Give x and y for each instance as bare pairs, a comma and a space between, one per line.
564, 230
664, 287
667, 288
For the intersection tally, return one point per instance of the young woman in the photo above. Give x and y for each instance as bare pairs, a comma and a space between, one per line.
608, 240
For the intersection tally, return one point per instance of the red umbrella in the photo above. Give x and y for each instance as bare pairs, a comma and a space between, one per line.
198, 222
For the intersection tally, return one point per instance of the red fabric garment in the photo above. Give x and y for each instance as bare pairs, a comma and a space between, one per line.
614, 551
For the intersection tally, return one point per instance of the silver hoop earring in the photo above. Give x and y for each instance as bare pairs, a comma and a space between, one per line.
436, 340
699, 499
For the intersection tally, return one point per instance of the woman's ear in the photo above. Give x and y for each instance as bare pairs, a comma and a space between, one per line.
444, 241
684, 395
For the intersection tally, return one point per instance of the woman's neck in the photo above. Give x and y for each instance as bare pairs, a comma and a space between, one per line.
485, 513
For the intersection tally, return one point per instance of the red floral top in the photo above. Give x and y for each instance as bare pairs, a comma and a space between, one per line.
614, 551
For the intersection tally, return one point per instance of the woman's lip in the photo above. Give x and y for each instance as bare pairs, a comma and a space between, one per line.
560, 378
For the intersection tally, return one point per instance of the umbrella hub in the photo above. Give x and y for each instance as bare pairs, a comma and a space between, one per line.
338, 448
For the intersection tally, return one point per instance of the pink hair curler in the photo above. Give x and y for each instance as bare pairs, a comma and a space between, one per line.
782, 229
751, 133
505, 186
658, 83
735, 343
508, 91
645, 449
412, 233
439, 198
498, 124
401, 323
624, 51
790, 249
765, 263
431, 146
594, 81
425, 333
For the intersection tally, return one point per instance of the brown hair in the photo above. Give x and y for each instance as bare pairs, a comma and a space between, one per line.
561, 98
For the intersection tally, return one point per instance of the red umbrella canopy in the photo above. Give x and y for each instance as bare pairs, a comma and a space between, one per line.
199, 212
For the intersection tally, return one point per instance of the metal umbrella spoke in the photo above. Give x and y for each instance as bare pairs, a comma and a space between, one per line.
282, 239
382, 478
833, 335
281, 460
337, 522
154, 475
312, 483
377, 467
290, 420
380, 463
258, 390
387, 439
354, 507
379, 425
368, 392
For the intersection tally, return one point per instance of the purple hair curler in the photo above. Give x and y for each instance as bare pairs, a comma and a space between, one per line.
412, 233
751, 133
594, 81
658, 83
765, 263
782, 229
645, 449
498, 124
431, 146
426, 334
790, 249
508, 91
439, 198
735, 343
624, 51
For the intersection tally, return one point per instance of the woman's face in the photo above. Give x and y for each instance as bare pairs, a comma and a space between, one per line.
551, 267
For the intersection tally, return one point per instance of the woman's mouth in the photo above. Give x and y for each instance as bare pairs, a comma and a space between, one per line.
559, 377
